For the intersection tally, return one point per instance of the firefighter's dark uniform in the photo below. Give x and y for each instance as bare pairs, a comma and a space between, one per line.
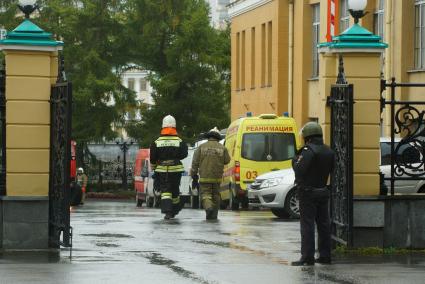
165, 155
312, 167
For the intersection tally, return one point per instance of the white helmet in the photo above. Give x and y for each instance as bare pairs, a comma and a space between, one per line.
169, 121
80, 170
214, 133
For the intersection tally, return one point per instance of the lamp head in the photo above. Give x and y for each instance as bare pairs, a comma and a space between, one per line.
356, 9
27, 7
357, 5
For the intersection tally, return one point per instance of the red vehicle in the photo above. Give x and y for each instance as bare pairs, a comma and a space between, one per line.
141, 175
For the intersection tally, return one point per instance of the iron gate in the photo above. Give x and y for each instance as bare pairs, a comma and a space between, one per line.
341, 103
3, 129
407, 155
60, 231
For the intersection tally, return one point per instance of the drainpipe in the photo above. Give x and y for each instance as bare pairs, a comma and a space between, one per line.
291, 59
388, 58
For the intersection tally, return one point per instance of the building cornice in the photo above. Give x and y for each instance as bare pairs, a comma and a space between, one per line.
240, 7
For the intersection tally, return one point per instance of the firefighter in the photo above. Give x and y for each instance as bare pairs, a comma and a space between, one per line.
312, 166
209, 159
166, 154
82, 182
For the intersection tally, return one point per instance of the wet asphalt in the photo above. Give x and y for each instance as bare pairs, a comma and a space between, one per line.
115, 242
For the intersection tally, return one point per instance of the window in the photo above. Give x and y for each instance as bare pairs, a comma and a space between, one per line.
263, 55
243, 55
419, 34
344, 19
269, 53
315, 39
409, 153
143, 85
238, 61
268, 146
131, 84
252, 58
378, 19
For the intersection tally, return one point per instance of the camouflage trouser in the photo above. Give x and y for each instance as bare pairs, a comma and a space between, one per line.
210, 196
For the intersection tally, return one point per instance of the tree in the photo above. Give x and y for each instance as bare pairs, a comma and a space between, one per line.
190, 64
94, 56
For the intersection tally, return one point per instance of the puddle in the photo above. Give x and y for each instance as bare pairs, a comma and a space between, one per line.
241, 249
103, 221
106, 235
107, 245
158, 259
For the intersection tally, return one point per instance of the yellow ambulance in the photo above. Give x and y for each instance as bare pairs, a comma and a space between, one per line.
256, 145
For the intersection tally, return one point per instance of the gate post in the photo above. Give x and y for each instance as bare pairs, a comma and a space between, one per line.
31, 69
360, 51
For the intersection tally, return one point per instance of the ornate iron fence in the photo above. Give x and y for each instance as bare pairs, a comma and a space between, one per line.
60, 231
341, 103
407, 157
3, 129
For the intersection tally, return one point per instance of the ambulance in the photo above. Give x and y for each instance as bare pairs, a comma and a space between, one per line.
256, 145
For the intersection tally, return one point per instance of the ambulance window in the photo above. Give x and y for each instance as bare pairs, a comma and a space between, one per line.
268, 146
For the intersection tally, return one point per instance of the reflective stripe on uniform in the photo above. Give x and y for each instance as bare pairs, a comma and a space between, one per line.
168, 138
169, 169
210, 180
166, 195
167, 143
176, 200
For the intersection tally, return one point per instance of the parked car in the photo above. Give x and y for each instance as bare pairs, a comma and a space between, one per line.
277, 191
413, 154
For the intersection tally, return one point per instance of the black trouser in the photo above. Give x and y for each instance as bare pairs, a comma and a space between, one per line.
169, 183
314, 210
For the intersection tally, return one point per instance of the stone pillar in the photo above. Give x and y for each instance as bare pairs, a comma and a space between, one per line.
31, 69
361, 52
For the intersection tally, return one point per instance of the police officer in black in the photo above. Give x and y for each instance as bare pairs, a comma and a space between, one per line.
312, 166
166, 154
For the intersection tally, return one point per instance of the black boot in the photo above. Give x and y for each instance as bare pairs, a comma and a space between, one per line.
303, 262
209, 213
323, 260
168, 216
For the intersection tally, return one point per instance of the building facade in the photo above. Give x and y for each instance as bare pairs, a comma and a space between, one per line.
275, 59
137, 81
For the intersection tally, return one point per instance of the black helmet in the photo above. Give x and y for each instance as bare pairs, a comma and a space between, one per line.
311, 129
214, 133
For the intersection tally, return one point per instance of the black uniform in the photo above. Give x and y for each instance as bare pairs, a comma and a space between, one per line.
165, 155
312, 167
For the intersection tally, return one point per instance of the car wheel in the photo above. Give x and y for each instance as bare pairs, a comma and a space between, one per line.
224, 204
139, 202
234, 202
245, 202
280, 213
292, 204
150, 202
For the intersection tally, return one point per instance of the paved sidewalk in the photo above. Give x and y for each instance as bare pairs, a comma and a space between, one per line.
115, 242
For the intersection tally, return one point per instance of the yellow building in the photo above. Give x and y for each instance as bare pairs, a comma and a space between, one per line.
275, 61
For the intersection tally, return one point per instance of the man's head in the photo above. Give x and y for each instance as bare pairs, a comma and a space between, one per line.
310, 130
80, 171
214, 134
169, 121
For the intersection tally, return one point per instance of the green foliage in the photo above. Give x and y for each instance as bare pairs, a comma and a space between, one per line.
189, 61
340, 249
